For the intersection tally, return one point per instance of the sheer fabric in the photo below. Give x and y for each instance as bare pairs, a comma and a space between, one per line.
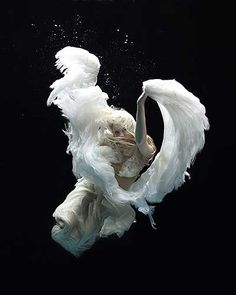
99, 206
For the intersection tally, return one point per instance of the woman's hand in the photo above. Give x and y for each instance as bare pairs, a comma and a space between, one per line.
142, 98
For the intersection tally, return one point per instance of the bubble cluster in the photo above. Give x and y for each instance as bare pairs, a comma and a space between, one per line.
121, 56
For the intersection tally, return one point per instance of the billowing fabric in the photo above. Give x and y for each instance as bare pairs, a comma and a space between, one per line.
99, 206
86, 215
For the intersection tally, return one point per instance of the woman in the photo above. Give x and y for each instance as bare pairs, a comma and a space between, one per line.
110, 150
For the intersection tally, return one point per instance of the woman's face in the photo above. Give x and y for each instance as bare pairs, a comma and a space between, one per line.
117, 130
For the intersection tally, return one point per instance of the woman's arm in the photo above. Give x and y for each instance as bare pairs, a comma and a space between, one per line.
141, 131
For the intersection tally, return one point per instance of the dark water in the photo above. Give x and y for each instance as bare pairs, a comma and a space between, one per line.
135, 41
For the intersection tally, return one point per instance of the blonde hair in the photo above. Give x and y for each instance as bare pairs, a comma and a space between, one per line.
126, 121
123, 118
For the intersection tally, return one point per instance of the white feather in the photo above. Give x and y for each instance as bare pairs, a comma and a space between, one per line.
85, 106
184, 124
79, 67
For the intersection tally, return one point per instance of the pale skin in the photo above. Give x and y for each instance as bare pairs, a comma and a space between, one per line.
140, 138
141, 130
141, 141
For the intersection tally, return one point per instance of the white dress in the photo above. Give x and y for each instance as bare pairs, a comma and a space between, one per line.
99, 206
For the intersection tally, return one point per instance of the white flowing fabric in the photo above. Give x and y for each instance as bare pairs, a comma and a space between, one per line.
85, 106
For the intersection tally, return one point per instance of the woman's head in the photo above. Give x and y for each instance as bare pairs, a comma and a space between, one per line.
118, 126
117, 130
120, 121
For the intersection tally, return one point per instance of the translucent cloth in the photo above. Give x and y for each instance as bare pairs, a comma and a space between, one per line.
85, 106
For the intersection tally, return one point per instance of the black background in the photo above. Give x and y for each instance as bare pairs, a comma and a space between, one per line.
190, 41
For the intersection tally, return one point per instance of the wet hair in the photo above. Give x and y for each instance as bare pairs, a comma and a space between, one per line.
121, 118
